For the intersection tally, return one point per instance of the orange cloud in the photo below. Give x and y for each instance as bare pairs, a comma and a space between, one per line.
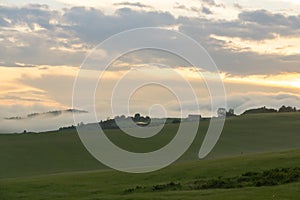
278, 46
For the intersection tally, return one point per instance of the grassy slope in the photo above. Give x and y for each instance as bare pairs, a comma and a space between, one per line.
111, 184
34, 154
23, 156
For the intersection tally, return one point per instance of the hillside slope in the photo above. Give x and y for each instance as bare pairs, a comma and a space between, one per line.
62, 151
110, 184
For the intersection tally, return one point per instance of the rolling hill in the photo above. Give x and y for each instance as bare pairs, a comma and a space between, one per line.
55, 165
62, 151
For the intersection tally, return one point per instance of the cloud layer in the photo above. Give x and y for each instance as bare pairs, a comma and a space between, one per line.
51, 43
34, 35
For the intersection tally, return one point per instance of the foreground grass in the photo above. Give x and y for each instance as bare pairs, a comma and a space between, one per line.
110, 184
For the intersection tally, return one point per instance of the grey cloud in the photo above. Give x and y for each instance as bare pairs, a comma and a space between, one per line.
8, 64
206, 11
263, 17
42, 48
38, 6
209, 2
205, 7
253, 25
182, 7
238, 6
92, 26
142, 57
239, 62
274, 22
30, 14
212, 3
89, 26
3, 22
235, 28
35, 48
136, 4
248, 63
195, 9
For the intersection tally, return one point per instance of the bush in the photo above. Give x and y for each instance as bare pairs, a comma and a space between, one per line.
270, 177
168, 186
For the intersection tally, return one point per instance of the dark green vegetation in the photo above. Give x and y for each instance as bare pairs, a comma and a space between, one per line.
259, 111
277, 176
234, 170
282, 109
37, 154
109, 184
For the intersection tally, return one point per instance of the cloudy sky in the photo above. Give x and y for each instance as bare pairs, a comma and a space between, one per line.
255, 45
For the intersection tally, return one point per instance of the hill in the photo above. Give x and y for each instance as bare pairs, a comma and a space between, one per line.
262, 110
259, 111
62, 151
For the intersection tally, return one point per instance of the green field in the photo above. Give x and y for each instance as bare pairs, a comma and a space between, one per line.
112, 185
55, 165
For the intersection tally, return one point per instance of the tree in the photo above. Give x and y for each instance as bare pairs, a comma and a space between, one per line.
286, 109
231, 111
137, 117
221, 112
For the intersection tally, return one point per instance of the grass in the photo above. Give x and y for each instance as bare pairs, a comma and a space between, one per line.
34, 154
62, 151
109, 184
55, 165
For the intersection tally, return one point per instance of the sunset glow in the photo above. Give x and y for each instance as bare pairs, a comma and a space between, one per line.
255, 46
278, 45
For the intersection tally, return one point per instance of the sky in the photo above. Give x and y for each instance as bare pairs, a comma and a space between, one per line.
254, 44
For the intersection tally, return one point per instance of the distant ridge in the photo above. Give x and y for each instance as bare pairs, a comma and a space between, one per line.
259, 110
270, 110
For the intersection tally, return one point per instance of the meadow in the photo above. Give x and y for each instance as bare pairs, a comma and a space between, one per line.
55, 165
